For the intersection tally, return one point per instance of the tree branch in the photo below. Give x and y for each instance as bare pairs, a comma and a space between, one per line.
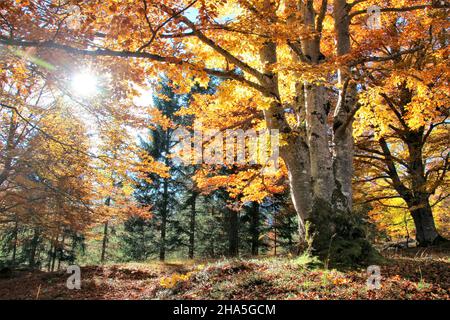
209, 42
392, 171
125, 54
403, 9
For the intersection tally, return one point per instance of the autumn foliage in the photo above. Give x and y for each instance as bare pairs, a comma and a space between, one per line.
362, 114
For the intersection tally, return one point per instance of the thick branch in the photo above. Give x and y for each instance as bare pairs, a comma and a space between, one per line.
124, 54
387, 58
399, 186
403, 9
209, 42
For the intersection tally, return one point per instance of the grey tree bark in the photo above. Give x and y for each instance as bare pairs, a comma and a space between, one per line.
343, 115
319, 156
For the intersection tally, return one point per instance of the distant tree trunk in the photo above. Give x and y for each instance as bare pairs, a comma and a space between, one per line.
289, 237
61, 252
192, 225
105, 234
275, 235
165, 202
16, 230
34, 243
162, 245
104, 243
212, 249
212, 246
233, 233
254, 227
55, 249
50, 254
143, 255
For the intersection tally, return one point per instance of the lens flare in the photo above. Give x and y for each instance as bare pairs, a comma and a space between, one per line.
85, 84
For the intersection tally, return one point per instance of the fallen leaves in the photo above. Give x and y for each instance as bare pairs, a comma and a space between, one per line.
268, 278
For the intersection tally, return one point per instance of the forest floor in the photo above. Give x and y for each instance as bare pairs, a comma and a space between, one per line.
407, 274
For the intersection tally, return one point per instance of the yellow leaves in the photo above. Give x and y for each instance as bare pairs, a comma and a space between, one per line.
392, 216
127, 190
147, 164
232, 106
425, 105
200, 267
57, 172
158, 118
23, 2
340, 281
202, 80
175, 279
112, 8
247, 185
229, 9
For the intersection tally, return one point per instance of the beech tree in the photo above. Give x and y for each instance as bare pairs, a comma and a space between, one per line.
404, 151
289, 65
46, 190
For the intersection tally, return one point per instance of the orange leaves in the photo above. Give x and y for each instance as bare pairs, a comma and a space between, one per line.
232, 106
158, 118
225, 37
175, 279
147, 164
51, 181
23, 3
112, 8
245, 185
424, 107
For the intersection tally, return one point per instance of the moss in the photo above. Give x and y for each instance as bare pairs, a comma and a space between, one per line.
339, 237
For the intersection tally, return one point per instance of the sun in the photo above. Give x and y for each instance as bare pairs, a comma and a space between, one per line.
85, 84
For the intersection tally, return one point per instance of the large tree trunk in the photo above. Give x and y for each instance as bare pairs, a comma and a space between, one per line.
8, 152
343, 114
319, 146
317, 107
419, 205
296, 152
426, 233
296, 157
320, 171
